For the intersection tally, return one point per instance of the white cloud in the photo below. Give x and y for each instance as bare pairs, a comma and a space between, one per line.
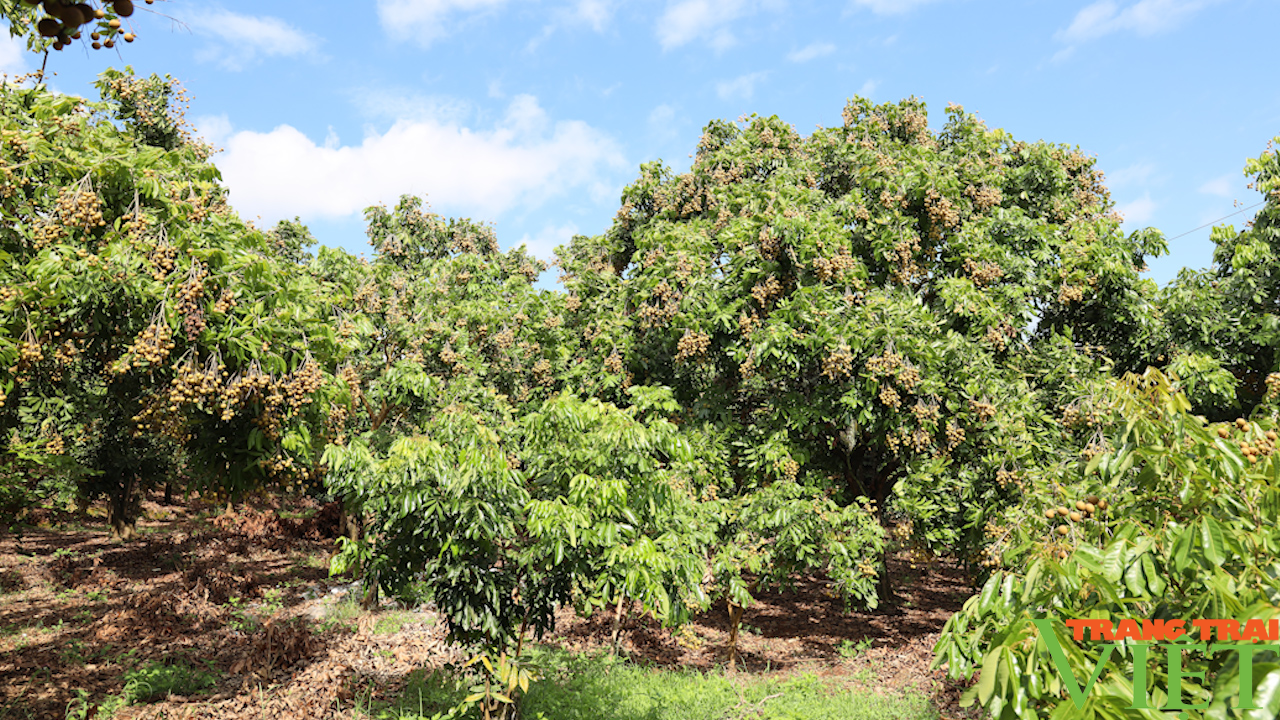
687, 20
13, 55
742, 87
661, 117
595, 13
890, 7
237, 41
398, 104
868, 88
1145, 17
1138, 211
426, 21
523, 160
1136, 174
1220, 186
215, 129
590, 13
812, 51
543, 245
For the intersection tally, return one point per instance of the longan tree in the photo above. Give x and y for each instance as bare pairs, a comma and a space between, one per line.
141, 321
854, 311
1227, 318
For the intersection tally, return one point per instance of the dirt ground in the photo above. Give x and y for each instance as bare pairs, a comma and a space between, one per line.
247, 597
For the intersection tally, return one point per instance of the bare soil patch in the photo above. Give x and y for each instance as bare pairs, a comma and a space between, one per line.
246, 597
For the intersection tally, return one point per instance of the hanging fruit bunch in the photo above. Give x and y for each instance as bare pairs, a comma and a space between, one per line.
65, 19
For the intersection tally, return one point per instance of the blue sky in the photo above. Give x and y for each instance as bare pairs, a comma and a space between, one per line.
533, 114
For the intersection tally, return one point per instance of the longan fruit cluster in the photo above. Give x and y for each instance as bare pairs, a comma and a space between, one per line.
1273, 386
835, 266
226, 301
983, 409
151, 347
665, 306
693, 343
504, 338
765, 291
299, 386
542, 369
889, 397
983, 273
1093, 449
1254, 448
80, 208
995, 339
29, 352
67, 352
903, 256
47, 233
748, 324
768, 242
449, 356
8, 293
984, 197
943, 215
553, 321
955, 435
1074, 417
65, 19
1084, 509
242, 388
887, 363
190, 293
920, 440
163, 258
838, 363
788, 468
1006, 478
135, 225
925, 412
55, 445
1068, 294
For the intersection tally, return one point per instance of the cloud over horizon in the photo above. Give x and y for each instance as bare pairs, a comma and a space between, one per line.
522, 161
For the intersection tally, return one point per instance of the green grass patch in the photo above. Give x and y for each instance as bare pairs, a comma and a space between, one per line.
609, 688
156, 681
393, 621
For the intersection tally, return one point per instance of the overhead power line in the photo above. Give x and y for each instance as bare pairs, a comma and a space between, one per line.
1215, 222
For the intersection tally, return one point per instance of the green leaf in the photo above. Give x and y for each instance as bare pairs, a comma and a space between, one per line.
1211, 537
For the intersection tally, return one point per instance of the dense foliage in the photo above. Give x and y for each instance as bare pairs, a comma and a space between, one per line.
799, 355
1177, 520
141, 322
854, 312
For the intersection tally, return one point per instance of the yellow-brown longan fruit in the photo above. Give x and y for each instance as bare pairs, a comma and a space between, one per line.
1075, 517
1063, 529
1050, 514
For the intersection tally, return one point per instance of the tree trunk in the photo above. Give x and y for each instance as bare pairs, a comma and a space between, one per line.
617, 624
884, 588
122, 511
369, 600
735, 623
